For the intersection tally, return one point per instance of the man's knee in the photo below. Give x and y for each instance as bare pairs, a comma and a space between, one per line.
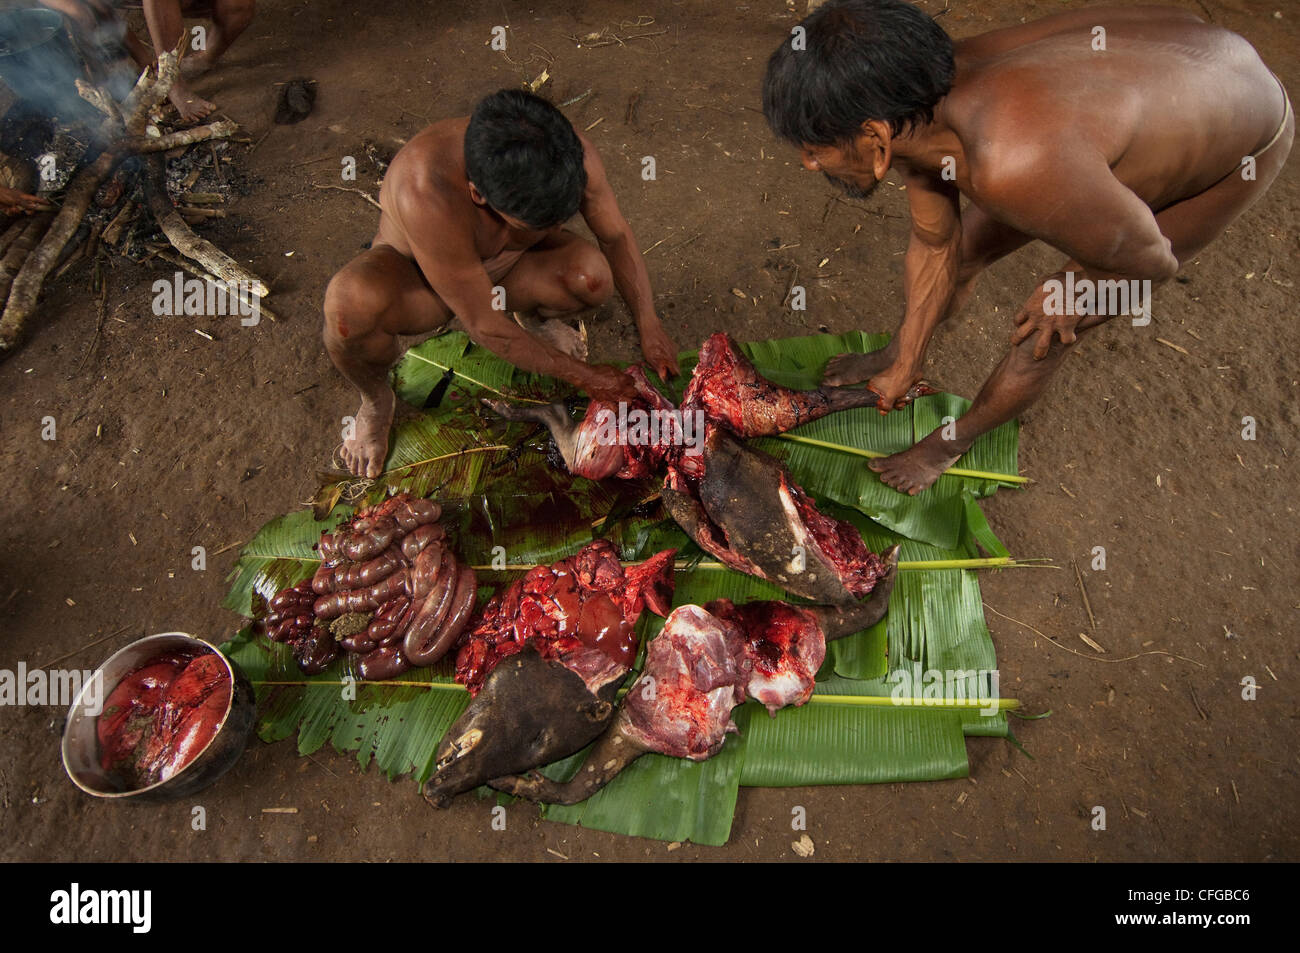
587, 277
353, 304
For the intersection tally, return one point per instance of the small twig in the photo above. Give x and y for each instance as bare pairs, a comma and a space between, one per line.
1083, 591
1066, 648
228, 547
794, 278
294, 165
99, 327
88, 645
253, 147
344, 188
216, 164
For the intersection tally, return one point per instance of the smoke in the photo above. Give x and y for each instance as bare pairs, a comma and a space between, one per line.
40, 61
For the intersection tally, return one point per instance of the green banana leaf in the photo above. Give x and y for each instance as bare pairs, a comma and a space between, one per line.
833, 465
504, 505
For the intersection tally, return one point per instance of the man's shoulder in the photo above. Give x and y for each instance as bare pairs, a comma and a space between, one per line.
431, 166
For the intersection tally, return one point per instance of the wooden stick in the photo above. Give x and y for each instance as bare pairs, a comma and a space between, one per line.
201, 211
76, 201
185, 137
343, 188
27, 283
99, 99
1083, 591
15, 229
22, 246
197, 272
208, 255
113, 230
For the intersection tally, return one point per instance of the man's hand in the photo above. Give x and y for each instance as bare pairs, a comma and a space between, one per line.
609, 384
1032, 320
13, 202
892, 384
1046, 326
659, 351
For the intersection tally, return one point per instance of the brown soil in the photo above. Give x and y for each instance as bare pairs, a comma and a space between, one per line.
183, 441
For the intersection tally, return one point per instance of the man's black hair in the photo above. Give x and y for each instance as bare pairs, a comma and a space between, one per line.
524, 157
863, 59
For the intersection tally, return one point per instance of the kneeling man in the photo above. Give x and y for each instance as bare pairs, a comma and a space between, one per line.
472, 221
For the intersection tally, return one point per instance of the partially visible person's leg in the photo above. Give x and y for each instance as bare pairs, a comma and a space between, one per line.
374, 298
166, 27
560, 276
229, 19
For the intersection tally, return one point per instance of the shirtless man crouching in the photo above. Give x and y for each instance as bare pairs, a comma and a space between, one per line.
477, 203
1128, 138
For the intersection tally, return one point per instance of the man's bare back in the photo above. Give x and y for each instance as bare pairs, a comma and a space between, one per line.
1171, 105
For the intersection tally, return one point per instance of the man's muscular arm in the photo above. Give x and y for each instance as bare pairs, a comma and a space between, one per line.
443, 246
600, 210
929, 281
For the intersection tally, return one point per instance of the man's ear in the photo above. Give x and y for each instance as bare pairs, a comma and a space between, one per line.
476, 196
876, 144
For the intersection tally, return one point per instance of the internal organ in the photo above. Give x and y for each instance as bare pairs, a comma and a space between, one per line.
389, 590
708, 660
580, 611
161, 716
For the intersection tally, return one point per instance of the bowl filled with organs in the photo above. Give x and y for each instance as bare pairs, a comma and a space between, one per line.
163, 718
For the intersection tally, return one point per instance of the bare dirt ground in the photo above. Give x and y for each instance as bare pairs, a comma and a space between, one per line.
182, 441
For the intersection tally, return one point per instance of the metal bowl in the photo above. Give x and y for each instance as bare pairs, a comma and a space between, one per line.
81, 742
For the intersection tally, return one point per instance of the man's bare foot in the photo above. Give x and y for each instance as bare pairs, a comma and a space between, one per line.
190, 105
914, 470
855, 368
364, 452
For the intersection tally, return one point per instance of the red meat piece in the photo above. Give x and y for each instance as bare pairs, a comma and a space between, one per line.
581, 611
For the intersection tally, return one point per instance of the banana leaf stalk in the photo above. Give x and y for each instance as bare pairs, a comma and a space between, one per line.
878, 701
686, 565
1008, 478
